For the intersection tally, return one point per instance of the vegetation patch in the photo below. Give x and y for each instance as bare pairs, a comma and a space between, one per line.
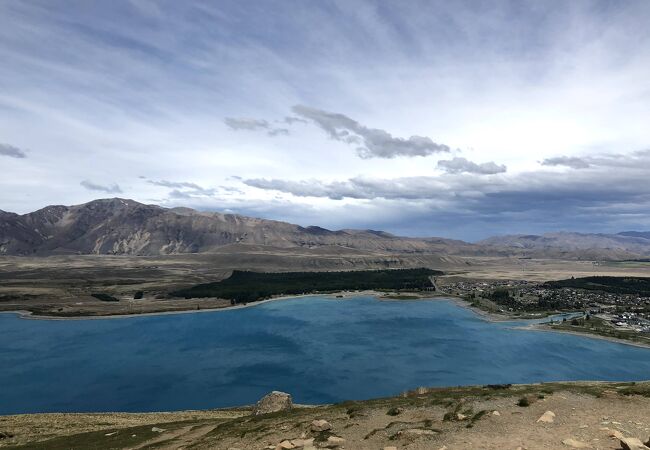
104, 297
243, 286
614, 285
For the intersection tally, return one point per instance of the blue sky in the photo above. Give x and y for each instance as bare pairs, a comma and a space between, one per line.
424, 118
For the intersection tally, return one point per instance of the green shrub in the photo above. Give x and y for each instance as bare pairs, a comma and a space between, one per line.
104, 297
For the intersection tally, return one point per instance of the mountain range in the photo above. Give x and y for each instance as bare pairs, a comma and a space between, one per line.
125, 227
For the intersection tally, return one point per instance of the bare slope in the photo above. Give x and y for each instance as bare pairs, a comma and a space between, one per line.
125, 227
576, 415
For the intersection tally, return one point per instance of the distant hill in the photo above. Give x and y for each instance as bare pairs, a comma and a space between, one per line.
629, 245
640, 234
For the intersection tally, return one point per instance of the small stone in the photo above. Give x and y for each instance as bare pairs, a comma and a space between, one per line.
496, 413
157, 430
575, 443
460, 416
416, 432
302, 442
284, 445
335, 441
547, 417
616, 434
107, 434
390, 448
320, 425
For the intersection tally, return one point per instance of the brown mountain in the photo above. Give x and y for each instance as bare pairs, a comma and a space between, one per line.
125, 227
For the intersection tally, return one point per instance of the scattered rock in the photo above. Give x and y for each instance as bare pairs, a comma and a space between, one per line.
273, 402
616, 434
575, 443
301, 443
320, 425
158, 430
632, 444
285, 445
334, 441
547, 417
414, 432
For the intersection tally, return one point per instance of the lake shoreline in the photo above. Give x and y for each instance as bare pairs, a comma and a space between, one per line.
25, 314
545, 328
342, 295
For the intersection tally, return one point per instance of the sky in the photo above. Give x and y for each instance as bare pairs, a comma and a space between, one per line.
461, 119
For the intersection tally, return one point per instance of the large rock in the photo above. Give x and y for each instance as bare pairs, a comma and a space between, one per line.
632, 444
273, 402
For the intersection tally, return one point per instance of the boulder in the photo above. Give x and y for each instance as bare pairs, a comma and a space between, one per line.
273, 402
320, 425
547, 417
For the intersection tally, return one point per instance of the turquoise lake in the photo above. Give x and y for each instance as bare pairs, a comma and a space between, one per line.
319, 349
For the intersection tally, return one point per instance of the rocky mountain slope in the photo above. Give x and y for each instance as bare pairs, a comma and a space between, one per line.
125, 227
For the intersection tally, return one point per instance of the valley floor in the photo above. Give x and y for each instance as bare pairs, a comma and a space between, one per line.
584, 415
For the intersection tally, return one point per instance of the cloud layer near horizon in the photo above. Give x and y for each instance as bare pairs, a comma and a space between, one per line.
420, 118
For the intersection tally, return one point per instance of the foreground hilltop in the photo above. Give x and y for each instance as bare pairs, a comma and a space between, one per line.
496, 417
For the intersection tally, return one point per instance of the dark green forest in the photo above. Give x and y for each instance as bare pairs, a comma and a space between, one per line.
615, 285
243, 286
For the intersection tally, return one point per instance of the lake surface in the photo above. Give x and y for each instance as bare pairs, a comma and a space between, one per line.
318, 349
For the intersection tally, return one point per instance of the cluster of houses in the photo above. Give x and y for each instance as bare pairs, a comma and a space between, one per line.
621, 310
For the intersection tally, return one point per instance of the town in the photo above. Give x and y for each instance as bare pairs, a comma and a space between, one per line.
624, 311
